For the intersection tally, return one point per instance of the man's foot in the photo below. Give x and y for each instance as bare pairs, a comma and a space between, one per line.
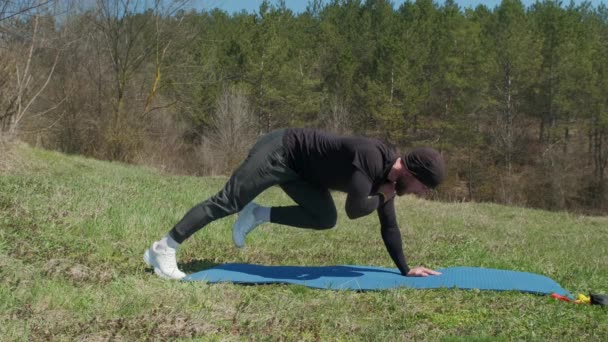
245, 224
162, 259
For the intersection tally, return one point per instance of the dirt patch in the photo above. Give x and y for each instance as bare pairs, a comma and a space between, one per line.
11, 161
155, 326
6, 162
152, 327
23, 313
182, 326
104, 337
78, 273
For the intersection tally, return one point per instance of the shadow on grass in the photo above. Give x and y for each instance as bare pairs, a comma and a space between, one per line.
301, 273
190, 266
196, 265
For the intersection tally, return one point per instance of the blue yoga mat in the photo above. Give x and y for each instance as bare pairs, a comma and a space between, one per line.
364, 278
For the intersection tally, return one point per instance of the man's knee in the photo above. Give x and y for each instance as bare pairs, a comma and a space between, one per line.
328, 220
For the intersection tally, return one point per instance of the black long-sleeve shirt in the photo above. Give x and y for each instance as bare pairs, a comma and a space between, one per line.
355, 165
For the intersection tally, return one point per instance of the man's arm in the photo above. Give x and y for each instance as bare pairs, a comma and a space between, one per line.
391, 235
358, 201
392, 240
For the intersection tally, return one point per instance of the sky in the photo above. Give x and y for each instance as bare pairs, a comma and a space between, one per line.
298, 6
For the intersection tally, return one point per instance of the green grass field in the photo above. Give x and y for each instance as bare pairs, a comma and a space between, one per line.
73, 231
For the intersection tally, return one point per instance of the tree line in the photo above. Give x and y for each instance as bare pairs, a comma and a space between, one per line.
515, 97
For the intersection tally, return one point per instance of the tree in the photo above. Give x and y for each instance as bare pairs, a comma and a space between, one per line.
516, 59
275, 71
460, 93
232, 132
22, 86
124, 26
597, 115
415, 70
15, 9
340, 43
377, 108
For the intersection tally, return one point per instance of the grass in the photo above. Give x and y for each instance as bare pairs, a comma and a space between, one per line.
73, 230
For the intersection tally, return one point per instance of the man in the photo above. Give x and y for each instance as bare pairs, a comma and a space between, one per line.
307, 164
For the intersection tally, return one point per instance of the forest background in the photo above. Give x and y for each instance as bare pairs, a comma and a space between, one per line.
515, 97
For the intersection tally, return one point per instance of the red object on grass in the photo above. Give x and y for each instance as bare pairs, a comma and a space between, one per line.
560, 297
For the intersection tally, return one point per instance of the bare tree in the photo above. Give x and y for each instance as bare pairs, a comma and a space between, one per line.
232, 133
337, 119
124, 25
25, 86
11, 9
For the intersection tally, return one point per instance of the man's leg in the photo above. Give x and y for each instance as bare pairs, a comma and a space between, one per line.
315, 209
264, 167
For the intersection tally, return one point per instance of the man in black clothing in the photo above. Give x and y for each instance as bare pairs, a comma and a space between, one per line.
307, 164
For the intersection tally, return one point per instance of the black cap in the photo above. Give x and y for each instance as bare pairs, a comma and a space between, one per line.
426, 164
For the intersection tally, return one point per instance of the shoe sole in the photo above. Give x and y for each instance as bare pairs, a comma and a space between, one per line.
157, 270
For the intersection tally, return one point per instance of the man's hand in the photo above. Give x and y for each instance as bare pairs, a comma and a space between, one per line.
388, 189
421, 272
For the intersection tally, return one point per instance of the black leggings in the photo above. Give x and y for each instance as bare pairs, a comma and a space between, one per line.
265, 166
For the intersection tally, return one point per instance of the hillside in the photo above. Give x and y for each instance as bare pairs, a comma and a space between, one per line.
73, 230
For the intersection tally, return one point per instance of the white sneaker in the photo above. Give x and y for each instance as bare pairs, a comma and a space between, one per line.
163, 261
245, 224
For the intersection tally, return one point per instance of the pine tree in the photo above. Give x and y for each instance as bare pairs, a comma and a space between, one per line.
516, 58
